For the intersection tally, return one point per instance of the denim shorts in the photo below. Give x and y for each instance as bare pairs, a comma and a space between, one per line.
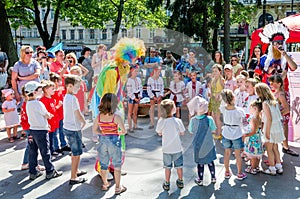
168, 159
234, 144
110, 148
131, 101
75, 141
178, 104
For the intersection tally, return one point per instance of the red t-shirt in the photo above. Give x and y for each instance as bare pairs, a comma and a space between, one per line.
24, 118
59, 97
80, 95
56, 67
51, 108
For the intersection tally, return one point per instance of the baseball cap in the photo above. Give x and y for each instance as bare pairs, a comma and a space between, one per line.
32, 86
228, 66
50, 55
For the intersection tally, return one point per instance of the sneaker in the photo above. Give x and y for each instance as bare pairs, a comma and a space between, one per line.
66, 148
166, 186
227, 175
35, 176
241, 176
270, 172
54, 153
59, 151
290, 152
179, 183
213, 180
54, 174
198, 182
24, 167
279, 171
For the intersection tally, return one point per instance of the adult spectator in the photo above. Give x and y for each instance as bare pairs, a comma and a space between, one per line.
98, 60
3, 68
237, 67
45, 69
170, 63
254, 65
86, 61
183, 60
59, 63
192, 64
25, 70
150, 62
218, 58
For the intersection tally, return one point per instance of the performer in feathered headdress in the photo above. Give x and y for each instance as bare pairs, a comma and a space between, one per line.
113, 77
276, 61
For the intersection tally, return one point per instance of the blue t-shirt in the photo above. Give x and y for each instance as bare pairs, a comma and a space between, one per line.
149, 60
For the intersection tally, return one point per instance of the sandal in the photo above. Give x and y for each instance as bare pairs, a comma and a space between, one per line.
198, 182
227, 175
179, 183
166, 186
248, 169
11, 140
290, 152
253, 171
105, 187
120, 190
241, 176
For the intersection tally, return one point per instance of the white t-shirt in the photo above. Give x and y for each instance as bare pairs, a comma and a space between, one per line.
170, 128
70, 105
247, 103
233, 119
36, 112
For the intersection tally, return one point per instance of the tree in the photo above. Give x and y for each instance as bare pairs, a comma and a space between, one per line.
6, 40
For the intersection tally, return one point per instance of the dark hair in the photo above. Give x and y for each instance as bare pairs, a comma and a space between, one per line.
109, 103
85, 49
259, 47
258, 104
41, 51
54, 77
58, 51
166, 108
193, 51
227, 96
221, 57
71, 79
276, 79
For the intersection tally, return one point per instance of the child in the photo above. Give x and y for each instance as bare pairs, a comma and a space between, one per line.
206, 88
39, 137
202, 127
25, 127
134, 92
240, 93
106, 125
11, 118
155, 90
272, 127
217, 86
232, 132
76, 70
73, 124
170, 128
252, 139
177, 88
193, 87
49, 102
230, 81
59, 93
250, 84
283, 98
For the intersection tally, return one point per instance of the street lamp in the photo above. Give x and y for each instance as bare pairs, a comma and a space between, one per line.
264, 13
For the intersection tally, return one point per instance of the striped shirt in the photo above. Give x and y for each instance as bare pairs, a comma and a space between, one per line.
108, 128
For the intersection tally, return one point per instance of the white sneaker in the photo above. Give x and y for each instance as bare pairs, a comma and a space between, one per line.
279, 171
270, 172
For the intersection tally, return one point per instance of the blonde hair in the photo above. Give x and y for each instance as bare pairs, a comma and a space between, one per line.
264, 92
245, 73
22, 52
101, 46
47, 84
227, 96
252, 81
76, 69
240, 77
73, 56
166, 108
218, 66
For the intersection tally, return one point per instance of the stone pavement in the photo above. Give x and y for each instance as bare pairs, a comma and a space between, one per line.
145, 175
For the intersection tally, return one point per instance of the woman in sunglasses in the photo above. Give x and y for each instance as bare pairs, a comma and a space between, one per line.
25, 70
237, 67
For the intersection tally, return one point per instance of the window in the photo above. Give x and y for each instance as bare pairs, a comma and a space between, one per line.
104, 34
72, 34
43, 13
24, 32
80, 33
35, 32
152, 33
138, 32
92, 34
124, 32
63, 34
29, 33
51, 14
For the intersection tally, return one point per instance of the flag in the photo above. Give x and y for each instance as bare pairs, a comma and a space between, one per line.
59, 46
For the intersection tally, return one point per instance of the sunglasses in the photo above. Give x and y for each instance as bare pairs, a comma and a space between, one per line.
277, 43
234, 60
152, 52
27, 53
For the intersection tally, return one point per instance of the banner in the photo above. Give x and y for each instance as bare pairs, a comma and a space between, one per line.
59, 46
294, 88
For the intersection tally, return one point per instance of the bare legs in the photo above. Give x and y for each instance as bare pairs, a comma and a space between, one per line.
132, 115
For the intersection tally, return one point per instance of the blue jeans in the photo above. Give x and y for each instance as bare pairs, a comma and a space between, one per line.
75, 141
110, 148
234, 144
39, 140
61, 138
25, 158
52, 137
175, 158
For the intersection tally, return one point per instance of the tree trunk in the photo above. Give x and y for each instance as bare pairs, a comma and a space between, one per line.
218, 12
117, 24
226, 30
205, 28
6, 40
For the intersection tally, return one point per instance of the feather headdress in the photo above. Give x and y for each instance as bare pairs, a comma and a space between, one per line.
272, 32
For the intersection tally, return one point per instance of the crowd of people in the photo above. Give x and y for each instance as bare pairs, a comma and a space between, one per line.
57, 90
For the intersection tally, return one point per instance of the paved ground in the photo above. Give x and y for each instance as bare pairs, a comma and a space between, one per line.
143, 163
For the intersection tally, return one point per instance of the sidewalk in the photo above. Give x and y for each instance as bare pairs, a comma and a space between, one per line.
145, 175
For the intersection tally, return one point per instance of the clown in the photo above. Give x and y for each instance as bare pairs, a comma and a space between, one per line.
277, 61
113, 77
